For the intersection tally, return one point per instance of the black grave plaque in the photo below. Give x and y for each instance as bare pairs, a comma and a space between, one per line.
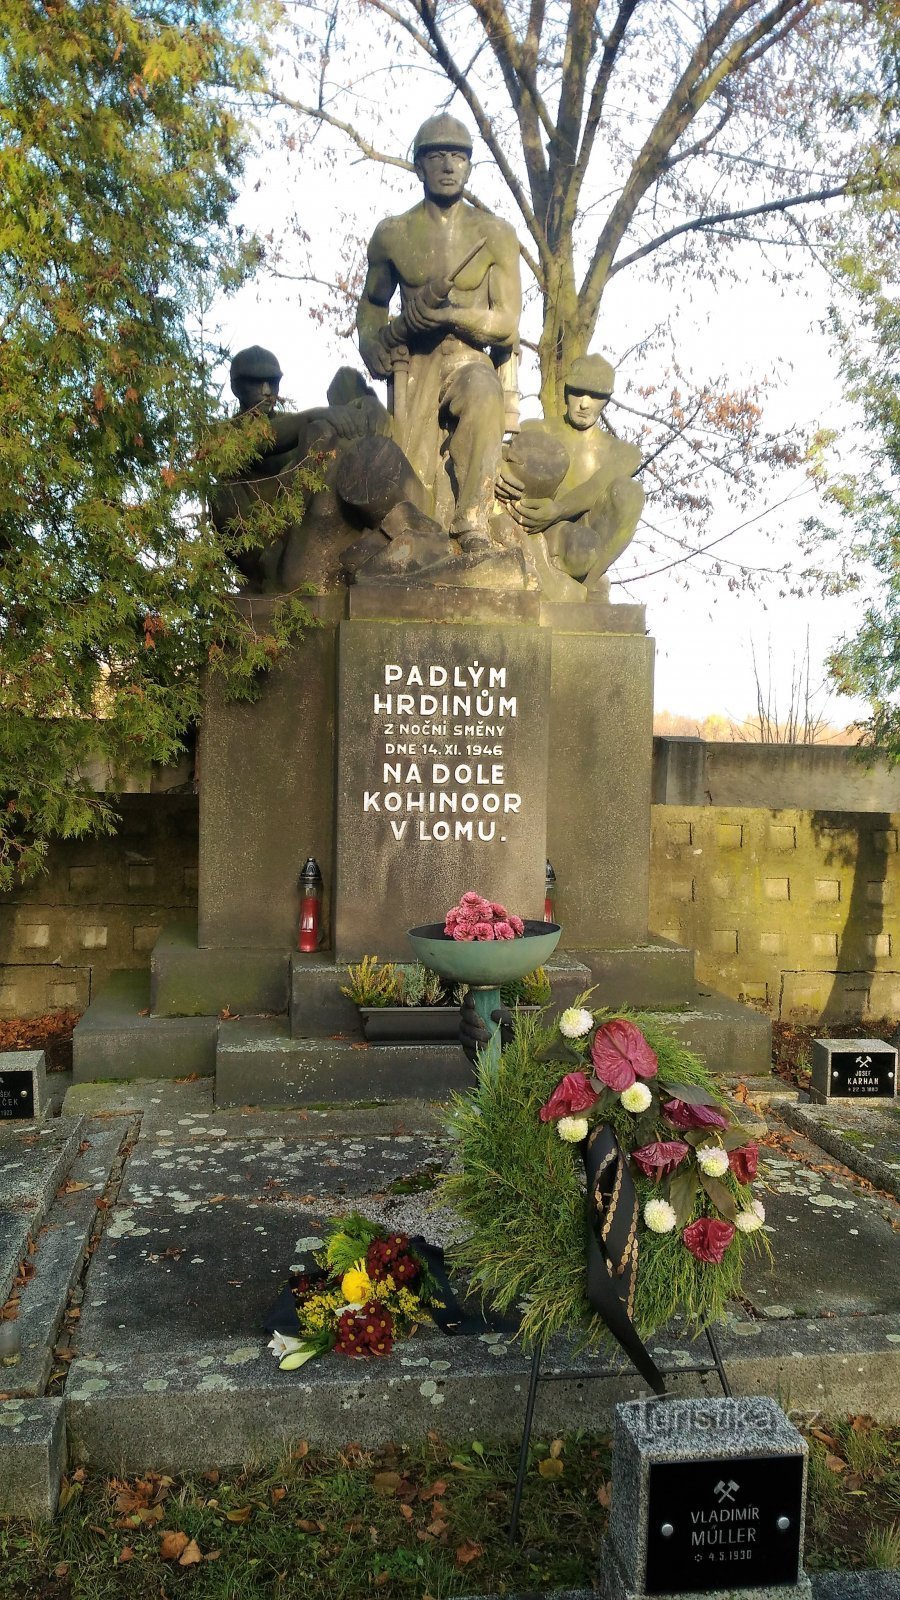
862, 1074
16, 1095
723, 1524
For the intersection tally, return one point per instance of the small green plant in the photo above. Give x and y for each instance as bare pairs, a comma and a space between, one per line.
373, 983
412, 985
433, 991
882, 1548
532, 990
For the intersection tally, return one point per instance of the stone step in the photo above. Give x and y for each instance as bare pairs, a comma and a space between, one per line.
654, 974
186, 981
259, 1063
118, 1038
320, 1009
731, 1038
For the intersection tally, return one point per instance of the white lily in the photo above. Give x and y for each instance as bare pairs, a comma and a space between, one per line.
284, 1344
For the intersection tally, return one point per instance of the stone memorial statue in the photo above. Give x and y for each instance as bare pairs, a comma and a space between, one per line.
457, 270
309, 529
569, 486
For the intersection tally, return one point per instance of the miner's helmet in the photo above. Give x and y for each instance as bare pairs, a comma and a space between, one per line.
442, 132
591, 375
254, 364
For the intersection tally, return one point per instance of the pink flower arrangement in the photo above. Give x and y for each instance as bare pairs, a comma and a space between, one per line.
477, 918
682, 1115
708, 1238
657, 1160
745, 1162
572, 1094
621, 1054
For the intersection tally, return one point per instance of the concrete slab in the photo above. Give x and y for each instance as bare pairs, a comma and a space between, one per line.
189, 982
33, 1161
32, 1457
223, 1401
864, 1138
835, 1249
58, 1258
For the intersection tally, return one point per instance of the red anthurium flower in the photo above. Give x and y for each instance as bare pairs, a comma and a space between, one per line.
572, 1094
708, 1238
621, 1054
745, 1162
659, 1159
681, 1115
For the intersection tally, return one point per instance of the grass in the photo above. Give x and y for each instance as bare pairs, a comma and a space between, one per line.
404, 1522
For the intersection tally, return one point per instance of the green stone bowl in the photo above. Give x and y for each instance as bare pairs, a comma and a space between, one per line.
485, 963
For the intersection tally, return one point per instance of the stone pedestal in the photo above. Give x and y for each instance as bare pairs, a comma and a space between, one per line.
708, 1499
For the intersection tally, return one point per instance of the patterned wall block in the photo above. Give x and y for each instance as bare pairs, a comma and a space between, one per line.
94, 938
34, 935
827, 889
777, 888
782, 836
729, 835
885, 840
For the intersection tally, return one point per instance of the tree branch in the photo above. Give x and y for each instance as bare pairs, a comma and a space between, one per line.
530, 110
611, 47
697, 83
718, 217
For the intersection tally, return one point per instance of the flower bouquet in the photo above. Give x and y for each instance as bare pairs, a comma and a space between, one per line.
370, 1288
645, 1116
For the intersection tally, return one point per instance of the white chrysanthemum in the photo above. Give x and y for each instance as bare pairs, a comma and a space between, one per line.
748, 1221
713, 1161
637, 1098
284, 1344
575, 1023
659, 1216
572, 1129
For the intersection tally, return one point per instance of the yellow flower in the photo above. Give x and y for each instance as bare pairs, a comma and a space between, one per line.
356, 1285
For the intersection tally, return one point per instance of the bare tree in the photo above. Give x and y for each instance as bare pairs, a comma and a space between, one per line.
626, 132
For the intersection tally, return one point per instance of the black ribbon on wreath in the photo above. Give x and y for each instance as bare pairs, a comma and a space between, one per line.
612, 1246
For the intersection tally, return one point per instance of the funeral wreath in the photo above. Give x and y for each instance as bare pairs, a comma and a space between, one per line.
656, 1218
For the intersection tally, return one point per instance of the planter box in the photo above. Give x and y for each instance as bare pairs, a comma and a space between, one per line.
414, 1024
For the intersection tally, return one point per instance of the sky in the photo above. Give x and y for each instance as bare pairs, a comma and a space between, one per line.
749, 328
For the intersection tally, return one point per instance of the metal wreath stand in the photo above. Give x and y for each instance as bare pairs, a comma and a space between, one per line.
611, 1277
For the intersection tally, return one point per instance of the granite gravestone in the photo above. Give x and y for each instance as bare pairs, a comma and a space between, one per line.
442, 775
853, 1069
707, 1499
23, 1085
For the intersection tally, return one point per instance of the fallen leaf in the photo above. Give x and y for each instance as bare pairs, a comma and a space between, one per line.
61, 1570
313, 1527
241, 1514
152, 1514
126, 1553
386, 1482
407, 1512
212, 1476
172, 1543
79, 1475
552, 1467
71, 1187
216, 1199
468, 1552
437, 1527
212, 1555
67, 1493
381, 1579
190, 1555
834, 1463
277, 1494
604, 1495
434, 1490
300, 1450
556, 1449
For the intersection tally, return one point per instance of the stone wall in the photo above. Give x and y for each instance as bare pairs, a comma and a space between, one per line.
690, 772
793, 911
100, 906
